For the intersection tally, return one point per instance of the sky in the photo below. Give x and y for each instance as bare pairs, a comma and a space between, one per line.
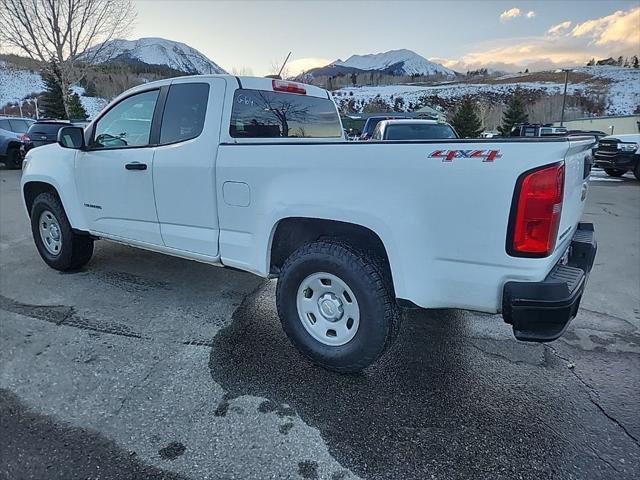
252, 36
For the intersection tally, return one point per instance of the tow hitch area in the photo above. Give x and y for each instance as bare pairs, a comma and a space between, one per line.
541, 311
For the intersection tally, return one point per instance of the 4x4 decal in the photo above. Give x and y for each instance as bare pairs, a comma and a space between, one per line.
449, 155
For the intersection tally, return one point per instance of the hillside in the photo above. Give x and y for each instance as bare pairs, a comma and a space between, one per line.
600, 90
154, 51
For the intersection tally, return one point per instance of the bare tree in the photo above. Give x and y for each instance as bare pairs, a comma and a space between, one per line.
63, 32
285, 112
242, 71
276, 66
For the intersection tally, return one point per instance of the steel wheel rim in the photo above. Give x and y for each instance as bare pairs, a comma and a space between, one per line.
328, 309
50, 232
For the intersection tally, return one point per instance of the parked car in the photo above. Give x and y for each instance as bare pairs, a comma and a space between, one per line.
536, 130
618, 154
41, 132
413, 130
370, 124
208, 168
12, 130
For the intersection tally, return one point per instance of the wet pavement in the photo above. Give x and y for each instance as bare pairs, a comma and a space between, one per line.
145, 366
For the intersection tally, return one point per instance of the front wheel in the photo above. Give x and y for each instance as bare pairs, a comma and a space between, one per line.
636, 170
614, 172
336, 306
55, 240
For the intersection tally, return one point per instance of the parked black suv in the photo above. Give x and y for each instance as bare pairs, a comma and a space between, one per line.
41, 133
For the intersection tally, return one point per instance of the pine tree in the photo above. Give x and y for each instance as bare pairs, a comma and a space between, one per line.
634, 61
51, 102
466, 120
76, 110
515, 114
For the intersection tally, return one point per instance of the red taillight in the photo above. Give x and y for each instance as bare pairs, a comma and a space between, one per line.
537, 212
289, 87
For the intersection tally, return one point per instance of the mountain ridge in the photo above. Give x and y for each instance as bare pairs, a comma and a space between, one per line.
402, 62
154, 51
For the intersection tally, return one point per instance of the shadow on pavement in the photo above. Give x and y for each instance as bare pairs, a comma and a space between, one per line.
39, 447
444, 402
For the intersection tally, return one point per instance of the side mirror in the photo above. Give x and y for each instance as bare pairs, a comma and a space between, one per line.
71, 137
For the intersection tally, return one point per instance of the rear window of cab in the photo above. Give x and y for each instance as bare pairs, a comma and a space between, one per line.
265, 114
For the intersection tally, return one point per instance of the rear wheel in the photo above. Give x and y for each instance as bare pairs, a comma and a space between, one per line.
336, 306
56, 242
13, 159
614, 172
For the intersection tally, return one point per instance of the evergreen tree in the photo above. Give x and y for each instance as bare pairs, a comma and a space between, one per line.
466, 120
515, 114
51, 102
634, 61
76, 110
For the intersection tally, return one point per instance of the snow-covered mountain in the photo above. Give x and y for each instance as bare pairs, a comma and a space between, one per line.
154, 51
396, 62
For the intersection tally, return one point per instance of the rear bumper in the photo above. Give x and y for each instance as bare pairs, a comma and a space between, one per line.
541, 311
620, 161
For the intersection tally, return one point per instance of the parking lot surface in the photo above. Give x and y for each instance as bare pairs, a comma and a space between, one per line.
144, 366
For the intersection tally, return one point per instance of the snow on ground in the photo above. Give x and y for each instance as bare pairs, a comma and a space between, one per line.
15, 84
623, 92
92, 105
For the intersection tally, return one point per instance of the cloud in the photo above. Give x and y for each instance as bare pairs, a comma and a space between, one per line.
515, 12
561, 46
510, 14
560, 28
621, 28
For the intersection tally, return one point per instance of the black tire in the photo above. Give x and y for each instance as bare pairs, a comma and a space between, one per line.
13, 159
379, 314
75, 250
636, 170
614, 172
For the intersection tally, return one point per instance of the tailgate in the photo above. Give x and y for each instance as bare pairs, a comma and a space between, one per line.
576, 161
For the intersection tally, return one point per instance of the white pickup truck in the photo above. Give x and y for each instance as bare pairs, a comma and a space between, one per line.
255, 174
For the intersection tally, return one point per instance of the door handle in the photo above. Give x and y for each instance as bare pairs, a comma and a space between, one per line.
136, 166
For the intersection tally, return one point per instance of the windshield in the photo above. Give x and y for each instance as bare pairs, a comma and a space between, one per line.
372, 122
418, 131
46, 128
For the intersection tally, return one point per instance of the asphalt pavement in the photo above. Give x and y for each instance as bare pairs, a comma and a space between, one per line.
143, 366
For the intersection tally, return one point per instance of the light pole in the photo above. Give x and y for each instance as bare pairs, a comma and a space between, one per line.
564, 96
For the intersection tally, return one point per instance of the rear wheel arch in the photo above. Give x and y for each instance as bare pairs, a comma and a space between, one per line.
292, 232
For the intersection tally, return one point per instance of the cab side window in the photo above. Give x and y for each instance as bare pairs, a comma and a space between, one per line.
184, 112
128, 124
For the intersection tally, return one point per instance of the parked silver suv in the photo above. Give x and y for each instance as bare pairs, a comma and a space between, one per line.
11, 131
